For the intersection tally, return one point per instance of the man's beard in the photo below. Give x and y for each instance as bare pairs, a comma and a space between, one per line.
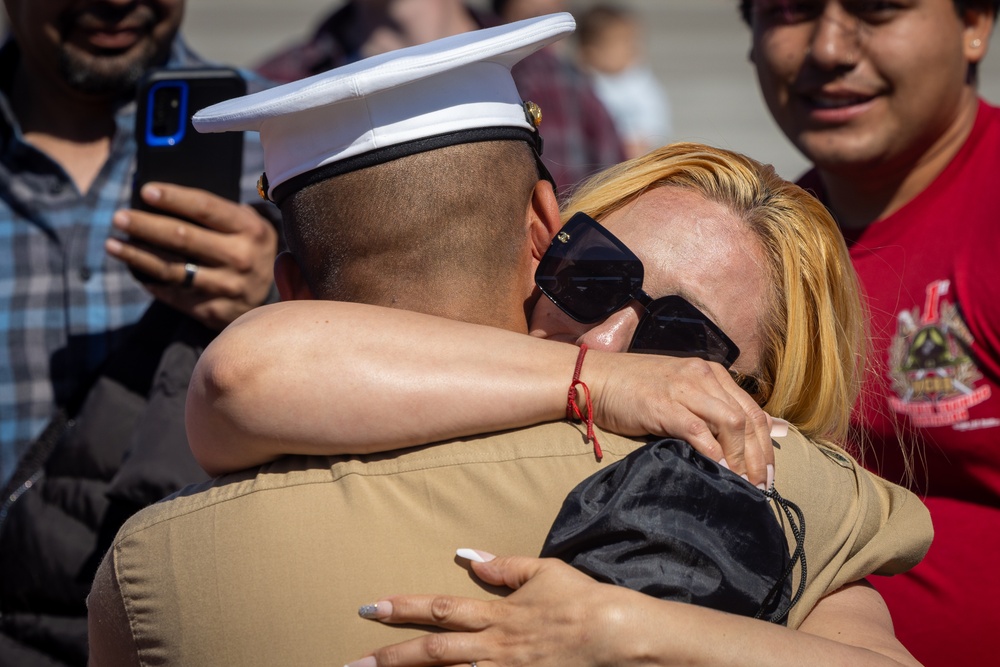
112, 73
106, 75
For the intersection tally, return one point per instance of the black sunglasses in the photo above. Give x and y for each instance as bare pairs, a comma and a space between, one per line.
589, 274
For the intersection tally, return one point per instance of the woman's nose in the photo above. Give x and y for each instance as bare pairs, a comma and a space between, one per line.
615, 333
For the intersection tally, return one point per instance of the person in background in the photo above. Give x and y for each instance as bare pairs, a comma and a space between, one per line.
580, 137
610, 51
94, 365
882, 98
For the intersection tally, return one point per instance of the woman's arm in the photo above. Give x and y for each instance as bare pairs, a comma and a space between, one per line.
326, 377
559, 616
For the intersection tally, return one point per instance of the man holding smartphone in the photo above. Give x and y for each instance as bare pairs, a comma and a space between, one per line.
94, 364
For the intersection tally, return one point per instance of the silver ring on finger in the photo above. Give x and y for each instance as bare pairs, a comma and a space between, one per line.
190, 271
473, 664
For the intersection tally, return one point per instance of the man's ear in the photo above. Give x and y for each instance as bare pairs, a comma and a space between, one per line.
543, 218
288, 277
978, 28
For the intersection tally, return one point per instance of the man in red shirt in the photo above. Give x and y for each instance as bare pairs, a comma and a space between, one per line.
882, 98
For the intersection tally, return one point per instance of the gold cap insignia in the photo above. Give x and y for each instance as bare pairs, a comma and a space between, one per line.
533, 113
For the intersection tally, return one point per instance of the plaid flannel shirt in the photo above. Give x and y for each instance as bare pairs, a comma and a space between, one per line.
579, 136
64, 303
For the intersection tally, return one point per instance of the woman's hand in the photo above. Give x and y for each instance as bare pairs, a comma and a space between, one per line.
686, 398
556, 616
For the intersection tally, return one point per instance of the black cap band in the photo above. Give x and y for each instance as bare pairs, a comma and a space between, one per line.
382, 155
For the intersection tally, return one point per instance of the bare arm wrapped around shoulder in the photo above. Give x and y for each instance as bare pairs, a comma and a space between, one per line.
326, 377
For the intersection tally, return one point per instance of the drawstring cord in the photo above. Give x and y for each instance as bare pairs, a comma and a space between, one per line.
798, 529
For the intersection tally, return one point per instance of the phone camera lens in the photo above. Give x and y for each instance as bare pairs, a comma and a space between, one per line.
166, 117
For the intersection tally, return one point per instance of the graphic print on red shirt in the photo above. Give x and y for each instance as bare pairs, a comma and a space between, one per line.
933, 375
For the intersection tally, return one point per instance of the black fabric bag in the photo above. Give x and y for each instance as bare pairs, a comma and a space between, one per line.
670, 523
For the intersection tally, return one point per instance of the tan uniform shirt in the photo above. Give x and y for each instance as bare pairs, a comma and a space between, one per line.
269, 567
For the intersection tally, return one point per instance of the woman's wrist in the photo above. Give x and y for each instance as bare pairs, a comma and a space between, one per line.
632, 629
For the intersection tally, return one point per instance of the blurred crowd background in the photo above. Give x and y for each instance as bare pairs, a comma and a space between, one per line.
697, 48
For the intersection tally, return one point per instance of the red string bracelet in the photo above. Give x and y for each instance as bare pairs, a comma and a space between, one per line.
573, 410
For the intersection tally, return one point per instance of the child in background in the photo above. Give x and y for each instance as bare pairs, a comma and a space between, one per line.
610, 52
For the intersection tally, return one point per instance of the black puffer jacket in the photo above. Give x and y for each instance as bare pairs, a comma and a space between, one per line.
121, 449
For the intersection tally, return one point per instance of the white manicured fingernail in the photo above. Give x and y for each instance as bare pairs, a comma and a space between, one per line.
375, 611
363, 662
475, 555
722, 462
770, 475
779, 427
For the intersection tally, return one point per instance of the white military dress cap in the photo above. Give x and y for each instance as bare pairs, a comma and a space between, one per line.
453, 90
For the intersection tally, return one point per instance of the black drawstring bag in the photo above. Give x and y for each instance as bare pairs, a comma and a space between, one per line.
670, 523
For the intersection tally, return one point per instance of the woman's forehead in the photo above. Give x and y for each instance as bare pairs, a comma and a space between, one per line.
671, 224
700, 250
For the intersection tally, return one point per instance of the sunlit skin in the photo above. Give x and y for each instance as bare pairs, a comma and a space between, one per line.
872, 92
688, 246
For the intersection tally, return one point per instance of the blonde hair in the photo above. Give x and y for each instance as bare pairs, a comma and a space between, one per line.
813, 333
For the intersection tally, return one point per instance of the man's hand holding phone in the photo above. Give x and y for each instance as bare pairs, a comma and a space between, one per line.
213, 270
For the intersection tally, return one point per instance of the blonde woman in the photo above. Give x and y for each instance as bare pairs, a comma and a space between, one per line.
765, 292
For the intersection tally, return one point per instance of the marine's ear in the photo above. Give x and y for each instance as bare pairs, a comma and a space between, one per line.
292, 285
544, 221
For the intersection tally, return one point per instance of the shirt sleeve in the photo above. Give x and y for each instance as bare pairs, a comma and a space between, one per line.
108, 629
856, 523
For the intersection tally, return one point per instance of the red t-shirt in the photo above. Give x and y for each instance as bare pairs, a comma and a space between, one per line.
930, 272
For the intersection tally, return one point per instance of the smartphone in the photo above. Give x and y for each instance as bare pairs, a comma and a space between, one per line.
170, 150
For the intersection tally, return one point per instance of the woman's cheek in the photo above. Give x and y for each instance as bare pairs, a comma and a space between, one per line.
614, 334
547, 321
